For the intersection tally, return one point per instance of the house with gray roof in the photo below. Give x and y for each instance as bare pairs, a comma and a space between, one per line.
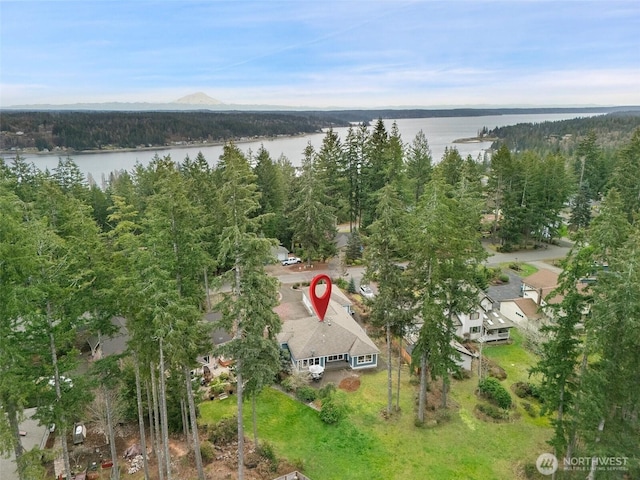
484, 324
335, 342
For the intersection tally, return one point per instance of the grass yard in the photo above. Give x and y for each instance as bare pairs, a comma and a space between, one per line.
366, 446
524, 269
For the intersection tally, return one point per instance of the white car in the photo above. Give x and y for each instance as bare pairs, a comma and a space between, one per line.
366, 292
291, 261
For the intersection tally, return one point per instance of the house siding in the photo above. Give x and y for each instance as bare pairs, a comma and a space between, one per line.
513, 313
353, 361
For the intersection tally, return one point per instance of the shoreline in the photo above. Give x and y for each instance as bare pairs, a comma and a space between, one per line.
69, 153
475, 140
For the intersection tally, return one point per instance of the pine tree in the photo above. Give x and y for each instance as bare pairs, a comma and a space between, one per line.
248, 311
560, 353
625, 176
313, 219
499, 185
270, 181
418, 166
67, 239
609, 424
18, 251
330, 167
449, 169
391, 307
355, 153
354, 247
446, 250
580, 209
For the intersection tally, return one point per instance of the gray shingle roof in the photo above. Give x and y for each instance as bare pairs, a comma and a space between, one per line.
339, 333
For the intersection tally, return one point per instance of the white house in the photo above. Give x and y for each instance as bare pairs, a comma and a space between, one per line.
462, 358
523, 312
484, 323
280, 253
539, 285
336, 342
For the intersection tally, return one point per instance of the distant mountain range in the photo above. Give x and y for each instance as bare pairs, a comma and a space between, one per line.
192, 102
200, 101
198, 98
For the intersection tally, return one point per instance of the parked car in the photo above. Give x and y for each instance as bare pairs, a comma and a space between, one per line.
291, 261
366, 292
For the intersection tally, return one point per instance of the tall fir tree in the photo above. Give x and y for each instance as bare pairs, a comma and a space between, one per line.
247, 312
313, 218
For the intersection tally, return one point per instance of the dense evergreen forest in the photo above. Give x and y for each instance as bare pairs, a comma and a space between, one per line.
564, 136
74, 256
95, 130
360, 116
99, 130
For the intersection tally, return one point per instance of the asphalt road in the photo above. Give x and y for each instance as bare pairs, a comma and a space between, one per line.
538, 257
541, 258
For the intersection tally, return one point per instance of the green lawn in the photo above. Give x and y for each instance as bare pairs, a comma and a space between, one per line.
365, 446
525, 269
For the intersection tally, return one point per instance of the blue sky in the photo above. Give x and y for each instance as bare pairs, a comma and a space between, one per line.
349, 53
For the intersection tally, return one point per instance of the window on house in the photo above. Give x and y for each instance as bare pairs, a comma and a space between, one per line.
333, 358
365, 359
474, 330
206, 359
474, 315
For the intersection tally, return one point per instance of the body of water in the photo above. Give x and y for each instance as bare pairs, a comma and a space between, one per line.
440, 132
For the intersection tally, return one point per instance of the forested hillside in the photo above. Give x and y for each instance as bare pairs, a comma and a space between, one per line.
612, 130
144, 248
100, 130
96, 130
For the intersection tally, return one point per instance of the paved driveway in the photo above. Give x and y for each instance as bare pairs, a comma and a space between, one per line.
507, 291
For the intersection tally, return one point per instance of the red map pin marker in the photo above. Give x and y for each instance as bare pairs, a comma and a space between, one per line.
321, 303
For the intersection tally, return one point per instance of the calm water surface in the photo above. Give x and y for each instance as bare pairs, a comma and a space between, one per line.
440, 132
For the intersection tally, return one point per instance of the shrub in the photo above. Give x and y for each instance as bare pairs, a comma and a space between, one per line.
287, 384
207, 451
494, 391
341, 283
331, 412
496, 371
504, 278
265, 450
352, 286
334, 408
531, 471
306, 394
285, 364
536, 393
443, 415
225, 431
526, 389
461, 374
300, 379
326, 391
492, 411
530, 409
